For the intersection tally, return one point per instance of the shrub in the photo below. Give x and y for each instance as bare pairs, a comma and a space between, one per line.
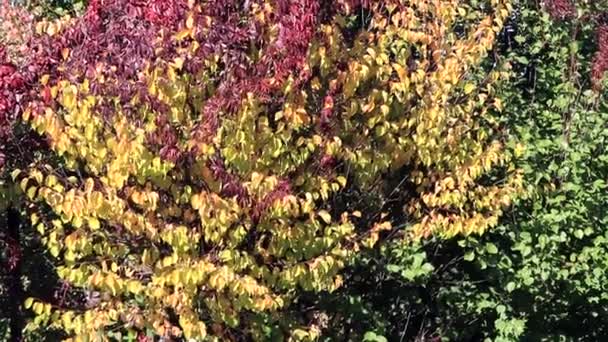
211, 162
539, 274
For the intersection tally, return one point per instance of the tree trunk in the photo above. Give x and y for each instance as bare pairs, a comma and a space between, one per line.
14, 285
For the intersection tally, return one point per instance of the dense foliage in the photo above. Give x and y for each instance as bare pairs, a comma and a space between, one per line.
540, 274
304, 170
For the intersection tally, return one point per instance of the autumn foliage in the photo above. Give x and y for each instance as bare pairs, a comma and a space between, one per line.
202, 152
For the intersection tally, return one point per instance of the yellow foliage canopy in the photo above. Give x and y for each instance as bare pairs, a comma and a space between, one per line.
246, 231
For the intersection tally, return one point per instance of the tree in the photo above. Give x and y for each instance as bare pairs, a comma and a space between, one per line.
211, 162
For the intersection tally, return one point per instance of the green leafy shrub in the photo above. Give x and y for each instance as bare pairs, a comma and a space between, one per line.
541, 274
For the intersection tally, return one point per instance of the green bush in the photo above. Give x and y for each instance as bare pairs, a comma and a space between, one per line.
541, 275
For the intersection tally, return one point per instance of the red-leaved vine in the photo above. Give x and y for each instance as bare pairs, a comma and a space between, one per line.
12, 90
600, 60
561, 9
566, 10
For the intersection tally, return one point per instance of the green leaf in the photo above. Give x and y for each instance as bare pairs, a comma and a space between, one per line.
427, 268
522, 60
491, 248
393, 268
371, 336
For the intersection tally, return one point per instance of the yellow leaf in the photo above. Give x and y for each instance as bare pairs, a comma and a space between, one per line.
77, 222
38, 308
498, 104
190, 22
183, 34
94, 223
28, 303
66, 319
23, 184
384, 109
468, 88
112, 285
44, 79
31, 193
134, 287
51, 29
40, 28
325, 216
178, 63
15, 173
401, 72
